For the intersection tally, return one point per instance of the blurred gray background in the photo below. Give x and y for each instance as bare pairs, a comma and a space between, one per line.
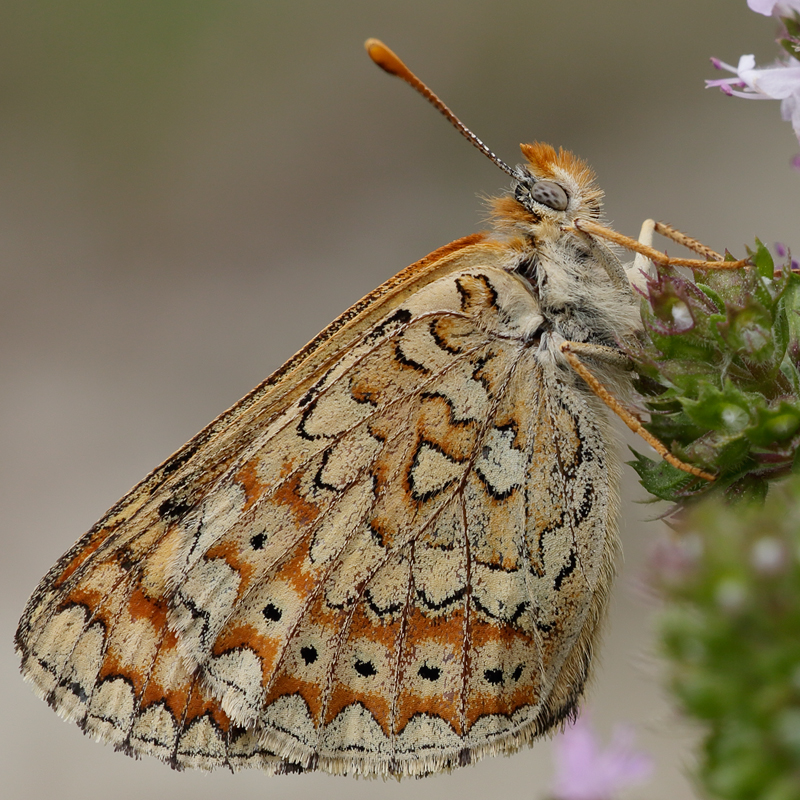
191, 189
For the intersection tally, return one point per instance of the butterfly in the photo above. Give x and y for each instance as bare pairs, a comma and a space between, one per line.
393, 556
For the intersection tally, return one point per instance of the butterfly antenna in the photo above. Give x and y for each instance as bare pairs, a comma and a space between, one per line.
388, 61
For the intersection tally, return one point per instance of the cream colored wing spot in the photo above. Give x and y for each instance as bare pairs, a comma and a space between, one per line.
154, 732
501, 467
202, 744
203, 602
425, 732
355, 730
431, 472
440, 564
111, 709
289, 717
235, 676
56, 641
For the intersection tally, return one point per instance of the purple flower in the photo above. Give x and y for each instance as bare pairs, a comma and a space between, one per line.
585, 772
781, 82
770, 7
781, 249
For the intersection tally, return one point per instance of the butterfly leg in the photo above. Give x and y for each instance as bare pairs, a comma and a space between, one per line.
571, 351
593, 228
681, 238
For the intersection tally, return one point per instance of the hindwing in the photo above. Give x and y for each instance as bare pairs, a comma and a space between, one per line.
391, 558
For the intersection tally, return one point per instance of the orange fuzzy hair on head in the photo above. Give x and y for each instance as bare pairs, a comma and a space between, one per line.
563, 167
550, 165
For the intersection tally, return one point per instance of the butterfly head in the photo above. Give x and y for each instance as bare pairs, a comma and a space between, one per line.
551, 191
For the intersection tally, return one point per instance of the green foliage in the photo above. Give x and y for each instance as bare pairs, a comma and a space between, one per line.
719, 373
731, 636
790, 41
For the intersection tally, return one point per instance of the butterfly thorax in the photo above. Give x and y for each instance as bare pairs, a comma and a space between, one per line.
580, 285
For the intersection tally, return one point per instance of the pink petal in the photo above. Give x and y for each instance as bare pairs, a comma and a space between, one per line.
790, 110
761, 6
779, 82
746, 63
585, 772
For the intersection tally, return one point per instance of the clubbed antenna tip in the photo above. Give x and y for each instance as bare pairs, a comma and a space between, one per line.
391, 63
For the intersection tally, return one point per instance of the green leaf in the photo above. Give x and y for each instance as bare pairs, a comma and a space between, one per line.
762, 259
748, 331
774, 424
662, 479
726, 410
781, 331
723, 453
689, 375
791, 304
712, 295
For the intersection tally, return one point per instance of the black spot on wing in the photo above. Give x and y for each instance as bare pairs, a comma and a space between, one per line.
429, 673
271, 612
586, 505
390, 325
126, 559
70, 685
365, 668
179, 459
257, 541
309, 654
493, 676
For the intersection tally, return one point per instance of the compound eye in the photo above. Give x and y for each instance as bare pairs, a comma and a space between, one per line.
550, 194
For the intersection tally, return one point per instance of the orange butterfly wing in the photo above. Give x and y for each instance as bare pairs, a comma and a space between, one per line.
389, 558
